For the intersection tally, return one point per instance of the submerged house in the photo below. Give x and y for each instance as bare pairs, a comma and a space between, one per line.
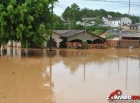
116, 34
130, 36
61, 37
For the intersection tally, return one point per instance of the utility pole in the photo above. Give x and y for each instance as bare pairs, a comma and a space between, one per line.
129, 8
69, 23
85, 29
50, 49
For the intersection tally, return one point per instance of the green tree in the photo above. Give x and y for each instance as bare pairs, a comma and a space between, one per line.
85, 12
109, 36
26, 21
98, 23
100, 13
59, 23
73, 13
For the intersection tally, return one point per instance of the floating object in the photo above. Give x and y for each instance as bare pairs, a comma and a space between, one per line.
131, 47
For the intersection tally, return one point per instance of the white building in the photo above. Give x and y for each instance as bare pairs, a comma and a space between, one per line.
86, 22
116, 22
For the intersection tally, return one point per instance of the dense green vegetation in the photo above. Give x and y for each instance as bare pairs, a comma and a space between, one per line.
27, 21
109, 36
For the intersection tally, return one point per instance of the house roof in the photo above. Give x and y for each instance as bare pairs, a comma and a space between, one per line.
116, 18
67, 33
88, 19
134, 25
114, 32
124, 33
130, 34
110, 19
126, 25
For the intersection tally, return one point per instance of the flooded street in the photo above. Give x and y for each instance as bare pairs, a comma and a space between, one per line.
67, 75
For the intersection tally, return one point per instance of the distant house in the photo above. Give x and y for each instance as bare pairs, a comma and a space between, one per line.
135, 27
116, 22
132, 27
87, 21
118, 35
60, 37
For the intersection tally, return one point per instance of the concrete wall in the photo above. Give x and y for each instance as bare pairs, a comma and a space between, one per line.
129, 43
15, 44
123, 43
125, 28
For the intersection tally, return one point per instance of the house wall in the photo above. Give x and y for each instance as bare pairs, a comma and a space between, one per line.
106, 22
129, 43
114, 23
131, 29
55, 41
125, 28
81, 36
54, 35
123, 43
88, 23
126, 20
15, 44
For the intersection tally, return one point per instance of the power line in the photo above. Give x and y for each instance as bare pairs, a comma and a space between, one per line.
120, 2
111, 1
60, 6
129, 8
128, 4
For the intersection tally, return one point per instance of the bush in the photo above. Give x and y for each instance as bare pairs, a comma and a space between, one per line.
85, 44
110, 36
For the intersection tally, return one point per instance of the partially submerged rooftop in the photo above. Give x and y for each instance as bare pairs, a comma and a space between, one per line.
67, 33
130, 34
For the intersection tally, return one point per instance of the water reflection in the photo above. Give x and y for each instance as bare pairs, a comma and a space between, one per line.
67, 75
21, 80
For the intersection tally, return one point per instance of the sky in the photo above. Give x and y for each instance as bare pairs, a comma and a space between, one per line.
121, 6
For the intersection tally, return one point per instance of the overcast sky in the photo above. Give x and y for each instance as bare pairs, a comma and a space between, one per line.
121, 6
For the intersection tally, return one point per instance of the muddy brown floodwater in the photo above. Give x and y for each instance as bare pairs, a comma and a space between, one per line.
67, 75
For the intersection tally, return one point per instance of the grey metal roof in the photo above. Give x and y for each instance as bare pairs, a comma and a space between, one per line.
110, 19
116, 33
67, 33
134, 25
88, 19
115, 18
130, 34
